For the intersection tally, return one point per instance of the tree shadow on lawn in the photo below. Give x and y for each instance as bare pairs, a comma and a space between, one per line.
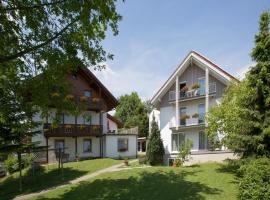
9, 188
158, 185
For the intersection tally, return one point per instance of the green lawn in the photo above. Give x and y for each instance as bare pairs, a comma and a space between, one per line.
205, 181
50, 177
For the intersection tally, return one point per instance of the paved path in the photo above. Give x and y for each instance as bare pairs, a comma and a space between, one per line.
113, 168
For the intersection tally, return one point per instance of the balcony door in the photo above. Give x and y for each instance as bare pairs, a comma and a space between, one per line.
182, 93
183, 113
201, 82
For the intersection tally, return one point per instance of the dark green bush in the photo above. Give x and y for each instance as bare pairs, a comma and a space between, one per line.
11, 163
255, 182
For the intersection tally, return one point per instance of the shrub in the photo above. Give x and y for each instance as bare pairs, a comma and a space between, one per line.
255, 183
142, 159
155, 149
184, 152
11, 164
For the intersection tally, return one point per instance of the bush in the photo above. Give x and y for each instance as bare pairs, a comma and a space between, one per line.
255, 183
142, 159
184, 152
11, 164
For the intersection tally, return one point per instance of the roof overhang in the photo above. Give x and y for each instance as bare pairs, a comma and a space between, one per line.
200, 61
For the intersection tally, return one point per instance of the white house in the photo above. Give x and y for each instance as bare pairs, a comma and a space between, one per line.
184, 99
93, 133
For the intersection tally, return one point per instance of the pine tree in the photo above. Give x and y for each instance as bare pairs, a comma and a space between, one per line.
155, 149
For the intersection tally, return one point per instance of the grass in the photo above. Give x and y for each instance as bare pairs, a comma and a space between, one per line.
205, 181
49, 176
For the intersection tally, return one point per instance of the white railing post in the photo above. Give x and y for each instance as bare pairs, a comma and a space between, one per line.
177, 101
206, 90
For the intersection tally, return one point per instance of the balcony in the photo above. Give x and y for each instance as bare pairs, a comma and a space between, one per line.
187, 123
72, 130
90, 103
193, 93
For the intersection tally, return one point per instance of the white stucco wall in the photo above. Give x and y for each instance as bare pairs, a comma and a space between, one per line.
70, 145
166, 115
112, 126
111, 148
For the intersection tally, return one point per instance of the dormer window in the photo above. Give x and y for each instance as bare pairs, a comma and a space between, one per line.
87, 93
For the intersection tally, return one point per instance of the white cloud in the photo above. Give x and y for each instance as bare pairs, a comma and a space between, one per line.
126, 80
241, 71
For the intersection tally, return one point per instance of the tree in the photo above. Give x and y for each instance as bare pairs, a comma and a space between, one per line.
16, 119
244, 114
155, 149
133, 112
41, 41
53, 38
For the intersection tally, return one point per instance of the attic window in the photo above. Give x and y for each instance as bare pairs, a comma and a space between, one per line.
87, 93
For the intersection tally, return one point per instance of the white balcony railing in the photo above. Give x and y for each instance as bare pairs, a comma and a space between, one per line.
192, 93
187, 122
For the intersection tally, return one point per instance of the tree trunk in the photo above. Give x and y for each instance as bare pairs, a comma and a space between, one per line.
20, 169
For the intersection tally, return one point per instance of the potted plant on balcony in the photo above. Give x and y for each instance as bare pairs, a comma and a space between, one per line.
68, 126
195, 115
83, 98
184, 89
195, 86
55, 94
95, 99
184, 117
82, 127
70, 97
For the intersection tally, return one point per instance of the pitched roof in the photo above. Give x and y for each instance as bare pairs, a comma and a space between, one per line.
112, 101
200, 58
115, 120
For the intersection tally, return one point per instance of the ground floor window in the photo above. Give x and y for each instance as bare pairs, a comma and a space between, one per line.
87, 145
122, 144
177, 140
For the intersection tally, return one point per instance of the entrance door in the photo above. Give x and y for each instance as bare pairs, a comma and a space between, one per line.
59, 146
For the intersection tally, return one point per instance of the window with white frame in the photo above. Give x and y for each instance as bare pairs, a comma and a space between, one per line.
177, 140
122, 144
87, 145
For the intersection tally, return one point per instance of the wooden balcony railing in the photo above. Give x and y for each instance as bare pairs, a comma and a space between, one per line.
90, 103
72, 130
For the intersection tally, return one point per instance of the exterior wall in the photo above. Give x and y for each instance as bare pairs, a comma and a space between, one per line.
111, 147
104, 122
112, 126
167, 109
70, 145
166, 115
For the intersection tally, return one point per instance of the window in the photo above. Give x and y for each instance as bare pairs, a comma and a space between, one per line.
59, 146
201, 111
201, 82
87, 145
87, 93
177, 141
122, 144
183, 111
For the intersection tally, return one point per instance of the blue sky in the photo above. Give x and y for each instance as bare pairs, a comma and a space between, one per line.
154, 37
